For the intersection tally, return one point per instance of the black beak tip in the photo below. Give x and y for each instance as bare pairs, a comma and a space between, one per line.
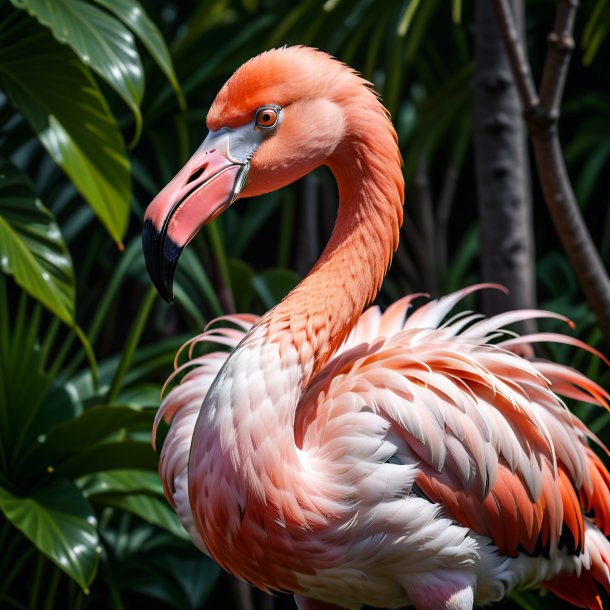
161, 255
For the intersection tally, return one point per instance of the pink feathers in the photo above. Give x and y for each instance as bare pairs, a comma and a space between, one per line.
378, 459
493, 445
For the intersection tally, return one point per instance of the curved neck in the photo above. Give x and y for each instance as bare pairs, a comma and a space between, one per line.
324, 307
245, 467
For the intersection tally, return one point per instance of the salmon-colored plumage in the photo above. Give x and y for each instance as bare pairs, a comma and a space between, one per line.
356, 457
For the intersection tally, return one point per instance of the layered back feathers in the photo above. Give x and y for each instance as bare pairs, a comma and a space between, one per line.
494, 445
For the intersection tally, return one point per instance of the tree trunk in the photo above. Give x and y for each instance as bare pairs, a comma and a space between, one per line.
503, 179
542, 114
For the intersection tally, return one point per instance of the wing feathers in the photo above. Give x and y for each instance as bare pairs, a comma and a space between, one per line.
495, 445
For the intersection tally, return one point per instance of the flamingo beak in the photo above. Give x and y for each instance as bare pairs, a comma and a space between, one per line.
210, 181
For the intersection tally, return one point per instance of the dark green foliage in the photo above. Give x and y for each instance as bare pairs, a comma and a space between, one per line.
101, 101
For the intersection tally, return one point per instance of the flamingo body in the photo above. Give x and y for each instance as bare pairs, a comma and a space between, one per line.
365, 458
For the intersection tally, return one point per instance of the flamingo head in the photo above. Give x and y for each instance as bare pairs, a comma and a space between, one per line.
281, 115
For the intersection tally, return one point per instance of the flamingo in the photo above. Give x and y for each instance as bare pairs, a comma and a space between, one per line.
350, 456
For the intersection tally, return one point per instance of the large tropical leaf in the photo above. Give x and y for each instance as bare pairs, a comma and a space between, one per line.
59, 521
154, 510
101, 42
22, 383
134, 491
159, 565
132, 14
147, 360
62, 102
122, 482
69, 439
31, 246
118, 455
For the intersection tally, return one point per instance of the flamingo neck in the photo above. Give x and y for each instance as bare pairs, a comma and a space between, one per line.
247, 477
319, 313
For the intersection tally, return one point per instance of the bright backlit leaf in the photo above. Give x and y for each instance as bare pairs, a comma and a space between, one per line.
133, 15
60, 522
62, 102
101, 42
32, 249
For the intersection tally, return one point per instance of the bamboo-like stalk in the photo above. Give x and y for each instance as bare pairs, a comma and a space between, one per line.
542, 114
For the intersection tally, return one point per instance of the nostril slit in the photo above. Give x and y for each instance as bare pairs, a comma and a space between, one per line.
197, 173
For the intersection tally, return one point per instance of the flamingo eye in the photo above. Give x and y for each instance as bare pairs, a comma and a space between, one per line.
267, 116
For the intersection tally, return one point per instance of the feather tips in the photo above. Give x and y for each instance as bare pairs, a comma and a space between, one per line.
495, 444
411, 401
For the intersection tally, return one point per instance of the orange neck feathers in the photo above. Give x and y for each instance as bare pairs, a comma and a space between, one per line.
347, 277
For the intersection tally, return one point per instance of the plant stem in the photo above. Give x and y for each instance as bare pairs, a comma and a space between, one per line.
522, 72
78, 602
101, 311
52, 591
34, 587
561, 45
47, 343
131, 344
225, 293
542, 114
115, 597
7, 579
443, 211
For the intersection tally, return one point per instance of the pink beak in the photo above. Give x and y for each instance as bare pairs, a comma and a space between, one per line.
210, 181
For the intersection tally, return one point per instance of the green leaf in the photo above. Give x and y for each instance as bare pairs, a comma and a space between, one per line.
194, 286
31, 246
55, 407
528, 600
159, 565
67, 441
409, 12
149, 359
242, 229
119, 455
180, 582
122, 481
150, 509
100, 41
144, 396
59, 521
132, 14
241, 275
274, 284
596, 30
62, 102
31, 402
